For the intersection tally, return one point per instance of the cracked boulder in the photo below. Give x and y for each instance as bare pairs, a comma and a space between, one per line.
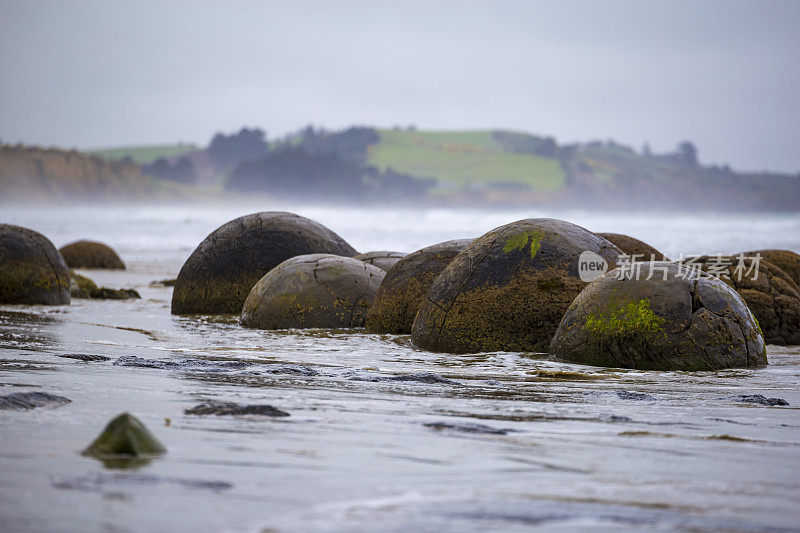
509, 289
91, 254
406, 284
769, 292
381, 259
639, 250
313, 291
679, 319
786, 260
219, 274
31, 269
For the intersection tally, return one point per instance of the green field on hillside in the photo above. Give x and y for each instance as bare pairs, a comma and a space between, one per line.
462, 158
145, 154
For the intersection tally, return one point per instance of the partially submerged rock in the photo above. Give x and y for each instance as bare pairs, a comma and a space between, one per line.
80, 286
382, 259
104, 293
313, 291
125, 436
231, 408
31, 269
22, 401
769, 292
633, 247
219, 274
509, 289
679, 319
91, 254
406, 284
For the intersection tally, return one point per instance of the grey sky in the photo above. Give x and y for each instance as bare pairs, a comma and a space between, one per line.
93, 74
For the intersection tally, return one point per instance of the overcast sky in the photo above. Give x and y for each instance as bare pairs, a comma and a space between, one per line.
724, 74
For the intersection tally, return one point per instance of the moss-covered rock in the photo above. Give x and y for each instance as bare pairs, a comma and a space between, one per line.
313, 291
219, 274
769, 292
104, 293
381, 259
406, 284
80, 286
786, 260
91, 254
509, 289
125, 436
638, 250
679, 319
31, 269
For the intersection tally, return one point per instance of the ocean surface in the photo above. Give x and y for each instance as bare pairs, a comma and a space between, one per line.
382, 435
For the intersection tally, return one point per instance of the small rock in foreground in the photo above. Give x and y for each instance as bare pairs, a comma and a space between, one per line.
21, 401
125, 436
761, 400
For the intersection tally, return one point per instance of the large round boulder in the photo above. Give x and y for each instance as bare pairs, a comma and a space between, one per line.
219, 274
91, 254
381, 259
769, 292
31, 269
509, 289
786, 260
407, 283
660, 316
636, 249
313, 291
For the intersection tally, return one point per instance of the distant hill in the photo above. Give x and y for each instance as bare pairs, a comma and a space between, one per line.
144, 154
34, 173
485, 167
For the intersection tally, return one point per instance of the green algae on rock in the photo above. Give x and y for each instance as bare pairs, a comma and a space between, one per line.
31, 269
91, 254
80, 286
633, 247
382, 259
313, 291
125, 436
219, 274
509, 289
661, 316
406, 284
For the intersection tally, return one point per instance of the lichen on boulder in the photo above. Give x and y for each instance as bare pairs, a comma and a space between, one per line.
382, 259
313, 291
660, 316
125, 436
31, 269
406, 284
633, 247
509, 289
91, 254
786, 260
219, 274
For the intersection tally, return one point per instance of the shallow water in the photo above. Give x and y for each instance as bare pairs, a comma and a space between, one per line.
381, 435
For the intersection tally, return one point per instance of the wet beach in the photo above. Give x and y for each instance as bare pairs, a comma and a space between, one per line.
380, 434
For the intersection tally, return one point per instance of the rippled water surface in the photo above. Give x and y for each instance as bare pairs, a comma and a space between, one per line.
382, 436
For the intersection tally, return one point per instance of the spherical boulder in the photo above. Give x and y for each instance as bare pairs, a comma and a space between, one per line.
31, 269
219, 274
636, 249
769, 292
80, 286
382, 259
660, 316
313, 291
91, 254
509, 289
786, 260
406, 284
